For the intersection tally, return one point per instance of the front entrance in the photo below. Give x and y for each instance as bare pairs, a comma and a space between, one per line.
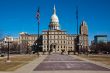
53, 47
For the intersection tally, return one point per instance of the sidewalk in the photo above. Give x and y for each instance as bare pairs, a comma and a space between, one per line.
94, 62
32, 65
29, 67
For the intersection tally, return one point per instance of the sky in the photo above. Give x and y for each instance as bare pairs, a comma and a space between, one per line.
19, 16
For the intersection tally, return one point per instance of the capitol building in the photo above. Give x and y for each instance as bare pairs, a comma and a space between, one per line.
56, 39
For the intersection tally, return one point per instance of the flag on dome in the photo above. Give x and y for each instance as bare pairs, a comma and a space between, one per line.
38, 15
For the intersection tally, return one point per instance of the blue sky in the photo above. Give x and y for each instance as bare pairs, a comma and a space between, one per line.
19, 15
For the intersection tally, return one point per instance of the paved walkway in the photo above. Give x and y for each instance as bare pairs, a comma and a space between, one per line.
57, 63
29, 67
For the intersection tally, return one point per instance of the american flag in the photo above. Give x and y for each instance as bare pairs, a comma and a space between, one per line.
38, 15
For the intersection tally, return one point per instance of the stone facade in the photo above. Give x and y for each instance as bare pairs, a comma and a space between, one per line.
83, 37
56, 39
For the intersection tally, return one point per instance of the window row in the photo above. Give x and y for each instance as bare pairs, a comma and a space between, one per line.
54, 41
46, 46
71, 38
60, 42
28, 38
54, 33
54, 37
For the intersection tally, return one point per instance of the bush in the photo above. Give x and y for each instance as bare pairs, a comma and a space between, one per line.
100, 48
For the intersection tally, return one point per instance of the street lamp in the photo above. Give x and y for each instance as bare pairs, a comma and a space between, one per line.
8, 41
27, 46
37, 48
0, 47
81, 48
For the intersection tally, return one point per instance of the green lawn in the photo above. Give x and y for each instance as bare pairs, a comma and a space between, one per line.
99, 58
16, 62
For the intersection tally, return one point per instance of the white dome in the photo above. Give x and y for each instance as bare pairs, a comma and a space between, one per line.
54, 18
54, 21
84, 23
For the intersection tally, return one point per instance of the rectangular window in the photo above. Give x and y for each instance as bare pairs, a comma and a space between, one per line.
54, 36
64, 46
44, 42
64, 41
50, 37
44, 46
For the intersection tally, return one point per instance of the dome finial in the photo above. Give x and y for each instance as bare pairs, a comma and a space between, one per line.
54, 12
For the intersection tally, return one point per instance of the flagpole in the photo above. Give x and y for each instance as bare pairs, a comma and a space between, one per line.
77, 18
38, 34
38, 19
48, 40
77, 30
38, 29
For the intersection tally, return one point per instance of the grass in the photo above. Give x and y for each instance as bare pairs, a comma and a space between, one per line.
10, 66
98, 58
16, 62
23, 58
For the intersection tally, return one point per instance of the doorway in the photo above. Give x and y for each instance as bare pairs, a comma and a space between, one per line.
53, 47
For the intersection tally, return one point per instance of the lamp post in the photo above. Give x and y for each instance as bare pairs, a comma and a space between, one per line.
8, 53
0, 47
27, 44
8, 50
82, 44
78, 44
81, 48
37, 48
